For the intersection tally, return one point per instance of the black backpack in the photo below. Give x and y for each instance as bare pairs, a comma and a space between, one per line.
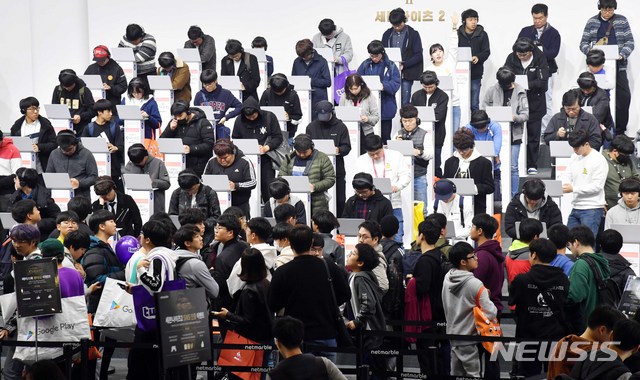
445, 264
608, 290
393, 300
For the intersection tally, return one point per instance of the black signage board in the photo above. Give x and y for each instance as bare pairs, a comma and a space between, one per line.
37, 287
183, 321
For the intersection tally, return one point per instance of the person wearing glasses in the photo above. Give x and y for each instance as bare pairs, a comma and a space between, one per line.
38, 128
618, 158
610, 28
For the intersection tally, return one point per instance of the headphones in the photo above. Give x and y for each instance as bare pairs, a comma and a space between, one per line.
178, 107
429, 77
615, 5
523, 44
455, 190
304, 136
227, 143
68, 132
187, 174
362, 182
104, 180
167, 59
587, 80
283, 182
278, 76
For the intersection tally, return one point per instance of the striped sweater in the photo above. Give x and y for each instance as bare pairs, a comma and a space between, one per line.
144, 53
624, 36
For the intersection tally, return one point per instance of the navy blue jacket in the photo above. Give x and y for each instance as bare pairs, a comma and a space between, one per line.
412, 60
318, 71
550, 41
390, 78
220, 100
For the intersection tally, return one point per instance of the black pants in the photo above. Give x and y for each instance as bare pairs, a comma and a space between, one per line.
143, 363
434, 356
533, 142
385, 131
623, 100
267, 175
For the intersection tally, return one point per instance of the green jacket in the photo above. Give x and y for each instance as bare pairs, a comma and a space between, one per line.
320, 173
616, 173
583, 290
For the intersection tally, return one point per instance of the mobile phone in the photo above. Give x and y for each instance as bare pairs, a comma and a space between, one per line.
122, 286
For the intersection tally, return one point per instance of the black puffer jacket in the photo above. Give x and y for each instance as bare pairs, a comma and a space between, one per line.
620, 269
538, 77
46, 138
516, 212
198, 135
378, 206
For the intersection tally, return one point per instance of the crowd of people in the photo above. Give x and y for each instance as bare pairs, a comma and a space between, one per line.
280, 273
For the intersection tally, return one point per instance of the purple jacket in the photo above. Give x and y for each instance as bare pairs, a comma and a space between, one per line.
491, 270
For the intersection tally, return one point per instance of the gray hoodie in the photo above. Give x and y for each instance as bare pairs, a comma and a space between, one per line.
380, 271
459, 292
340, 44
194, 271
622, 214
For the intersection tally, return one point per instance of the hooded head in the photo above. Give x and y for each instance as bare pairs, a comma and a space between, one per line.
250, 109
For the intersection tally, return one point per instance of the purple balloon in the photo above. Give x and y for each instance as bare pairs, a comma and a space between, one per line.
126, 247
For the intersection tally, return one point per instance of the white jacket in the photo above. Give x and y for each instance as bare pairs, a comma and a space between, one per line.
587, 175
392, 165
269, 253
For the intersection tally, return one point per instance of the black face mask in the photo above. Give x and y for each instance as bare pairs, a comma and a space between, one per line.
624, 159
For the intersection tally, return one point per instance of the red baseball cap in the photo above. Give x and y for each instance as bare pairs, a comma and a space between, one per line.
100, 53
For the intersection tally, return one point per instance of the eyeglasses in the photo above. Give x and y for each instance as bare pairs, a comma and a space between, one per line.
69, 222
474, 257
317, 250
33, 109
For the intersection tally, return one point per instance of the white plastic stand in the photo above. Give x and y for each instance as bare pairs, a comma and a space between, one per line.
219, 184
631, 245
486, 150
406, 148
59, 116
300, 187
463, 76
163, 95
427, 118
175, 160
98, 147
328, 147
280, 115
25, 146
139, 187
126, 60
250, 150
349, 228
60, 186
191, 56
350, 116
133, 125
504, 116
261, 56
94, 83
562, 151
302, 85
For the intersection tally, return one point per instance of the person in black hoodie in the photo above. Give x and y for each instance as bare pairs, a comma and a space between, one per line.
248, 69
114, 81
527, 59
610, 242
402, 36
429, 277
263, 126
432, 96
368, 202
539, 297
122, 205
38, 128
472, 35
196, 132
281, 94
531, 202
230, 161
328, 127
73, 92
106, 124
626, 333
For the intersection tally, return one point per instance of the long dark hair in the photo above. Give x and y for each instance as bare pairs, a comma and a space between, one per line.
356, 80
253, 267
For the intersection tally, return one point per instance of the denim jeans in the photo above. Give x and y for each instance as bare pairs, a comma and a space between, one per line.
420, 191
475, 94
455, 111
327, 343
405, 94
12, 368
397, 212
515, 175
590, 218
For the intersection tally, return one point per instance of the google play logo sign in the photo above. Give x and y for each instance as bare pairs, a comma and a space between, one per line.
114, 306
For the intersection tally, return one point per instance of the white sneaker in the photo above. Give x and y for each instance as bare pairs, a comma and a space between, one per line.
532, 171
